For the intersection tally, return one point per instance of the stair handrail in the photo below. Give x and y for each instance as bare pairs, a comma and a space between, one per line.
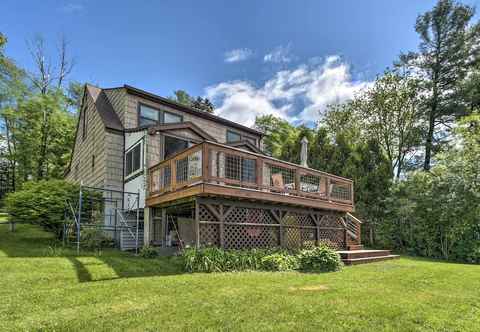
353, 226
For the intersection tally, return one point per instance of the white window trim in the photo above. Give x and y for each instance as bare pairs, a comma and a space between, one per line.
138, 171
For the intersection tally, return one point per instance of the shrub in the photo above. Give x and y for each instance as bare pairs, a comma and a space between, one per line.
94, 238
321, 258
281, 261
43, 203
214, 259
148, 252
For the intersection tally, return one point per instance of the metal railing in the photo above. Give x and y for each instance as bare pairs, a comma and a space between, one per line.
220, 164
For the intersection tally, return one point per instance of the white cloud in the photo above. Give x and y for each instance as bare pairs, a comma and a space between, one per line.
72, 8
239, 54
297, 95
280, 54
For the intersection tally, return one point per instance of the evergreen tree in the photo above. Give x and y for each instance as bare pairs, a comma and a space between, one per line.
447, 43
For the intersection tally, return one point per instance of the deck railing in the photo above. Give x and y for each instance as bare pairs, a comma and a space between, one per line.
220, 164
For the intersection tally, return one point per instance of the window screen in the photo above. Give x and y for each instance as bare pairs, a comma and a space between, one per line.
171, 118
133, 160
148, 115
232, 137
174, 145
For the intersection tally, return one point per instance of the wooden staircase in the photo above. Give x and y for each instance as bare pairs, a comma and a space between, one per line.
355, 253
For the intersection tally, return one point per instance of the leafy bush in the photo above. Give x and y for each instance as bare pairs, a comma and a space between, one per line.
94, 238
281, 261
148, 252
321, 258
214, 259
43, 203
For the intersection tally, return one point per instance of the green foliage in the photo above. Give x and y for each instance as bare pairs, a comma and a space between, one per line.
148, 252
94, 238
212, 259
447, 47
321, 258
37, 127
437, 214
199, 103
280, 261
43, 203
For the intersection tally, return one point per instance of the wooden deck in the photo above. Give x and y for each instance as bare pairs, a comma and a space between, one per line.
212, 169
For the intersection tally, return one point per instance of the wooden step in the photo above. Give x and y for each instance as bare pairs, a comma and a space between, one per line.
353, 254
356, 261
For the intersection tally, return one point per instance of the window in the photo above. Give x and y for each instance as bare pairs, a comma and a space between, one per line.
236, 137
148, 116
133, 160
171, 118
93, 163
233, 137
174, 145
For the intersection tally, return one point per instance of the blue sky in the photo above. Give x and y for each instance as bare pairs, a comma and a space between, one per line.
288, 58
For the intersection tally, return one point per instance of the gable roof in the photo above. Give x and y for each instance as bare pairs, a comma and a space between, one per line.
190, 110
182, 125
109, 118
105, 110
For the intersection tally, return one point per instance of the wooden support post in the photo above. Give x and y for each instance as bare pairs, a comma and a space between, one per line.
173, 176
205, 163
222, 226
328, 189
259, 170
297, 182
147, 225
278, 218
164, 228
197, 224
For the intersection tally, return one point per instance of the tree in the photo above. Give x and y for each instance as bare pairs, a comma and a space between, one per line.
75, 94
389, 112
278, 134
182, 97
203, 104
12, 90
37, 127
443, 61
436, 213
48, 76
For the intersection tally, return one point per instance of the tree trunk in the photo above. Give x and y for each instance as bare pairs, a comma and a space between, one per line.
431, 124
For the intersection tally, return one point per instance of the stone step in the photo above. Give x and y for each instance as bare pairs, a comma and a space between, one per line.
352, 254
356, 261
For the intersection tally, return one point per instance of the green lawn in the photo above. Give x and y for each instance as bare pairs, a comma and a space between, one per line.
43, 288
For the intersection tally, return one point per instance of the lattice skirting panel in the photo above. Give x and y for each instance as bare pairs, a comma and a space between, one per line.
237, 227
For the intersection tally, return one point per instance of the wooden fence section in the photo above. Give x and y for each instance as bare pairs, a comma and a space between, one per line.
223, 166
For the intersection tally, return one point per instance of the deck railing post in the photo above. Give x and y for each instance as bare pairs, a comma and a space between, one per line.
205, 162
259, 170
297, 181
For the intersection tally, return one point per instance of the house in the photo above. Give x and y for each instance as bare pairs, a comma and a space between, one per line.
203, 180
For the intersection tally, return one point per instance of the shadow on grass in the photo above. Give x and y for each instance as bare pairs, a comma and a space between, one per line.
31, 242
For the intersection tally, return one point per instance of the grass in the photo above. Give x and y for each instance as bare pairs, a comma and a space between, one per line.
45, 287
